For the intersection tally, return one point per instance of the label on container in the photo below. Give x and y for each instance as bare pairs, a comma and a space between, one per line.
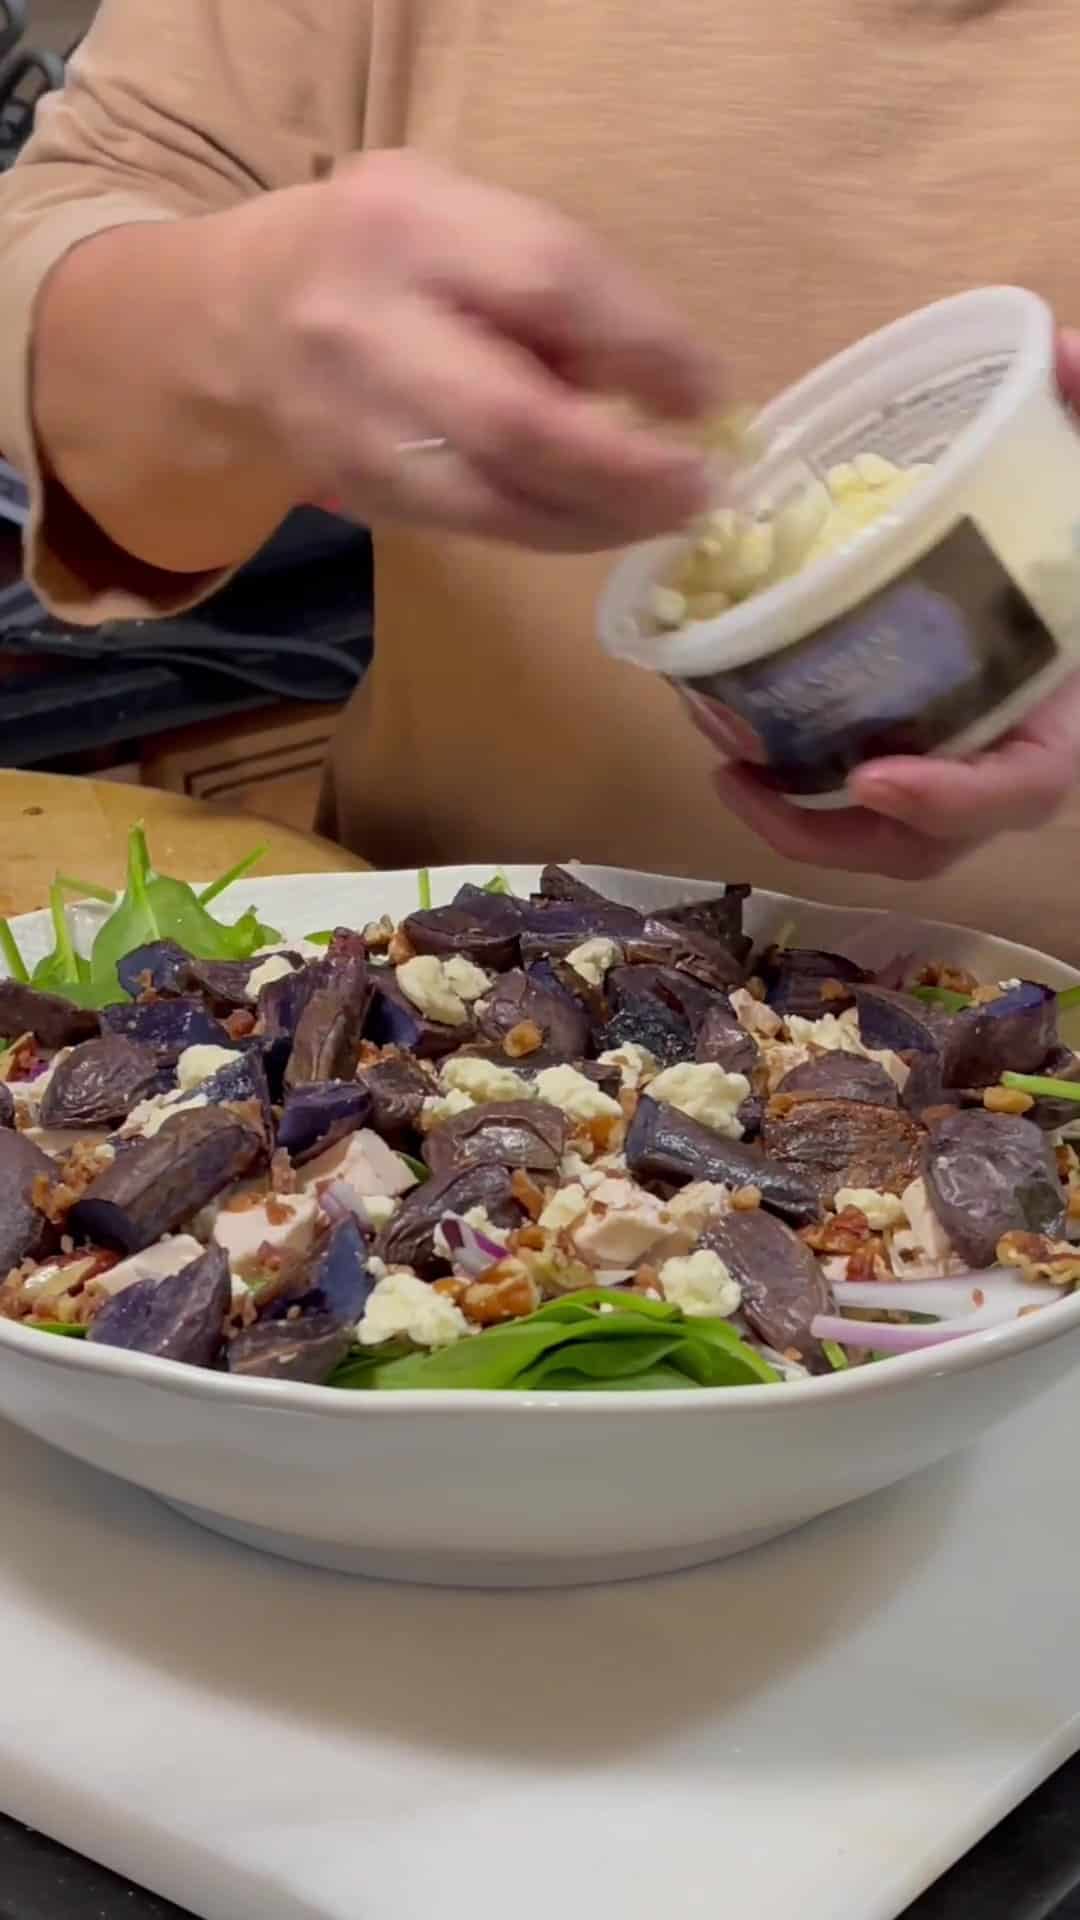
934, 653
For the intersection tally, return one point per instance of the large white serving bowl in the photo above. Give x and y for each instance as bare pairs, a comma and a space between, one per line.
506, 1489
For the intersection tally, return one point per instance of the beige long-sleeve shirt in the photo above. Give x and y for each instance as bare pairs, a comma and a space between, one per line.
792, 173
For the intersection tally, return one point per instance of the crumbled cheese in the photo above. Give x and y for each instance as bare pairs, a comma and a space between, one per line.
442, 989
699, 1203
882, 1210
402, 1305
437, 1108
564, 1208
575, 1094
483, 1080
754, 1016
706, 1092
623, 1224
839, 1033
701, 1284
274, 967
468, 981
636, 1064
149, 1116
197, 1064
924, 1250
594, 959
158, 1262
476, 1218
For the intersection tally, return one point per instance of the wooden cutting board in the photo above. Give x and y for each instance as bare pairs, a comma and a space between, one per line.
48, 821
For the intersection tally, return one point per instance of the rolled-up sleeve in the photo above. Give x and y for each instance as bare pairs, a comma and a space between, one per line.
172, 108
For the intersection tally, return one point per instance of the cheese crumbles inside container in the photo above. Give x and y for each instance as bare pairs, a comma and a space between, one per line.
927, 613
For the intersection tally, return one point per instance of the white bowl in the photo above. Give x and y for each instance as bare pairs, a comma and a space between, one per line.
489, 1489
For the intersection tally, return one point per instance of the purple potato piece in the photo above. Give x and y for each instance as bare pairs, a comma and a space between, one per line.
98, 1083
665, 1145
842, 1076
668, 943
519, 997
159, 967
54, 1022
393, 1021
923, 1087
497, 910
448, 930
991, 1173
558, 883
689, 999
720, 918
798, 980
305, 1350
750, 1116
315, 1116
844, 1143
408, 1240
398, 1089
649, 1023
1013, 1033
7, 1106
555, 927
242, 1083
179, 1318
722, 1040
502, 1133
282, 1001
899, 1021
326, 1045
167, 1027
159, 1183
225, 982
24, 1230
783, 1286
334, 1280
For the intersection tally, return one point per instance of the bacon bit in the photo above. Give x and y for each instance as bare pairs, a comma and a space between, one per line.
523, 1039
509, 1294
282, 1173
240, 1023
746, 1199
978, 1297
277, 1212
400, 948
527, 1193
1007, 1100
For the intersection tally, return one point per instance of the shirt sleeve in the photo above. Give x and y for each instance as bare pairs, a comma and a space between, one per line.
172, 108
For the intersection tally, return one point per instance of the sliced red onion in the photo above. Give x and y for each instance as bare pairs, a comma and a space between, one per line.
883, 1336
473, 1252
340, 1202
955, 1296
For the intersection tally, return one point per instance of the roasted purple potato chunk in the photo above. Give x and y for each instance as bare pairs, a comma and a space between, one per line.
445, 931
157, 1184
243, 1083
667, 942
24, 1230
334, 1279
1014, 1033
843, 1143
326, 1044
783, 1286
52, 1021
722, 1040
556, 927
502, 1133
166, 1027
398, 1089
720, 917
519, 997
179, 1318
98, 1083
409, 1238
159, 967
842, 1076
394, 1022
988, 1174
7, 1106
665, 1145
305, 1350
808, 982
1060, 1064
898, 1021
314, 1117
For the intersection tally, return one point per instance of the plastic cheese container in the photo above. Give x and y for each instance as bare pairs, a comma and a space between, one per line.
935, 626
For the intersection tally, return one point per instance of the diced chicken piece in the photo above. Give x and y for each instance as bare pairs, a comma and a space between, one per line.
624, 1224
158, 1262
286, 1222
364, 1162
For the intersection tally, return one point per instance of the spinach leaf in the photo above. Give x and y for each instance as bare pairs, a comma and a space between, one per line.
13, 960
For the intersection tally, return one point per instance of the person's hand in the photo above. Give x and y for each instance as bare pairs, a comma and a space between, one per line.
427, 349
912, 817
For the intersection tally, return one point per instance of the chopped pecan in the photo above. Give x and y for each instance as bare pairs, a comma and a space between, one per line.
509, 1294
527, 1193
523, 1039
1040, 1258
843, 1233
